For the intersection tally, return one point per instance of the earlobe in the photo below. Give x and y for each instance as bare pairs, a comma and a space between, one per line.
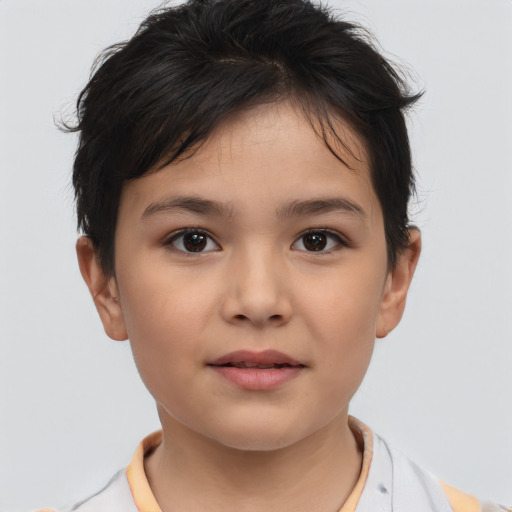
397, 285
103, 290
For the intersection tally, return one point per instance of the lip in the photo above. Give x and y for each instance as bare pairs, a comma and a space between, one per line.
257, 376
260, 358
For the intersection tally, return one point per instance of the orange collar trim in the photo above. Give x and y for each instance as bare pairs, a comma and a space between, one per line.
364, 438
141, 491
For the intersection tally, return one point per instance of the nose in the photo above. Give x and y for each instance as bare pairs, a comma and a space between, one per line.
257, 290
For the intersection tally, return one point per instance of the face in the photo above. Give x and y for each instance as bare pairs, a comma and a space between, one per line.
252, 280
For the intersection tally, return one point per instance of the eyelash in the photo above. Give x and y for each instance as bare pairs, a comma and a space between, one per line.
339, 240
169, 241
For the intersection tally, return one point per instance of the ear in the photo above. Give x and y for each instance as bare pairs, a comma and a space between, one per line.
103, 290
397, 285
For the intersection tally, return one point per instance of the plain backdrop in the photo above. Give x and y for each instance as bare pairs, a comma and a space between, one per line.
72, 408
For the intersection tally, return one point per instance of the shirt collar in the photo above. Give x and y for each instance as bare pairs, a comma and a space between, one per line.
145, 500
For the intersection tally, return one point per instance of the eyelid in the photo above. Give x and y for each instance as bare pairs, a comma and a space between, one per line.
175, 235
340, 239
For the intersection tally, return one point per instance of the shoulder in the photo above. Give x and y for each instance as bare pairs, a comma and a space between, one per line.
463, 502
414, 488
459, 500
116, 496
400, 484
126, 489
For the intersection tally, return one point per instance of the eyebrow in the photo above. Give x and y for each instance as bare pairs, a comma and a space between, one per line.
321, 206
189, 204
297, 208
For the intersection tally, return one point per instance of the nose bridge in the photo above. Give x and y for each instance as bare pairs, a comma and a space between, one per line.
256, 289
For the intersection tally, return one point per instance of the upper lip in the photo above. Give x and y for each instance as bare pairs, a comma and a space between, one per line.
263, 358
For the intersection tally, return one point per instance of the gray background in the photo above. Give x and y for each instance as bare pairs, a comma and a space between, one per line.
72, 409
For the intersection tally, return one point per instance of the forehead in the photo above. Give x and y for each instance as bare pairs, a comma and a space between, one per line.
264, 155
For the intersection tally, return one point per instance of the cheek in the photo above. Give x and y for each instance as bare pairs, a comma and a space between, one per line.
342, 316
344, 304
166, 319
160, 301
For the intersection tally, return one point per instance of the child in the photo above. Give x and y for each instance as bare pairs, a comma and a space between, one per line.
242, 182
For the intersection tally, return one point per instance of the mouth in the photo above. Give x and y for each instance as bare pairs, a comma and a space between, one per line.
258, 366
268, 359
257, 371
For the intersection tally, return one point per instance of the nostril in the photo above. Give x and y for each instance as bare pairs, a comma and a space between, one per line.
271, 318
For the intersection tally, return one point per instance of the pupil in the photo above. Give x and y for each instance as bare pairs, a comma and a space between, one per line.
194, 242
315, 242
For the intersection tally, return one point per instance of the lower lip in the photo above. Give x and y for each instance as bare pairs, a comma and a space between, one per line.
258, 379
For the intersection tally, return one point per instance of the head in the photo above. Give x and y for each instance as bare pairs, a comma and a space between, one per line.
159, 96
242, 180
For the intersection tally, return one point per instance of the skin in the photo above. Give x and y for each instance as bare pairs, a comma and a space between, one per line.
255, 286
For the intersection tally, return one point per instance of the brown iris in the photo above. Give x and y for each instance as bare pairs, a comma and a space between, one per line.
315, 241
194, 242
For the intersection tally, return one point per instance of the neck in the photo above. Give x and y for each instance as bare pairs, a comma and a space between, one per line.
191, 472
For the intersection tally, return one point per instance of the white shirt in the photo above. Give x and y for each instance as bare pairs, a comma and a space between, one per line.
389, 482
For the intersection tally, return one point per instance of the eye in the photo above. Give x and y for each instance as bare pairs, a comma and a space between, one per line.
319, 240
192, 240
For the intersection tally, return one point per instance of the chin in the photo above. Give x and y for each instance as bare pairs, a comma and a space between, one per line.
256, 443
260, 436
